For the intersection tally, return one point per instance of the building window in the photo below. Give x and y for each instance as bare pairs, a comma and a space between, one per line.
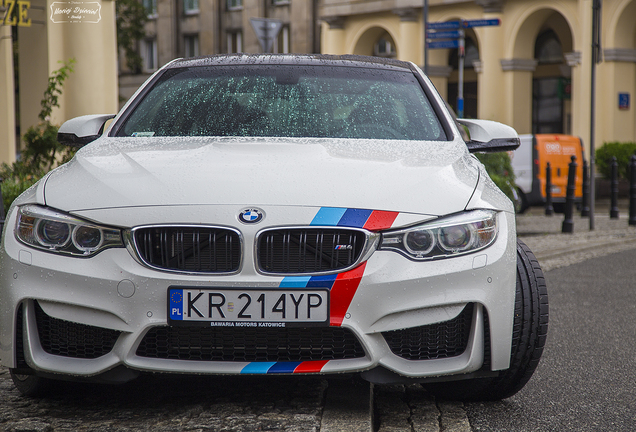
149, 55
191, 46
234, 4
384, 47
191, 6
548, 86
282, 41
151, 7
235, 42
280, 2
547, 49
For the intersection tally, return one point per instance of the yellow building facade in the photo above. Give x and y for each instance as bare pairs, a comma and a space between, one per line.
50, 32
533, 71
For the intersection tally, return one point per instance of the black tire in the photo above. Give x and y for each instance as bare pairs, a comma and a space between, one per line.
31, 385
528, 339
520, 202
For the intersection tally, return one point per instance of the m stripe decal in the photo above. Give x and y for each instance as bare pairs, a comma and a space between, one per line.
310, 366
373, 220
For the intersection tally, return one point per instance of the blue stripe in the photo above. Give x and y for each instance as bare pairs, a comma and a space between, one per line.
328, 216
257, 368
295, 281
284, 367
355, 218
322, 281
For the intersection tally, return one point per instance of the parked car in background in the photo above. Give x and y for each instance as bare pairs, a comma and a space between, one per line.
274, 214
530, 160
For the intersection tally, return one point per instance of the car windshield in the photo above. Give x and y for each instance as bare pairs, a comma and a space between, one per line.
285, 101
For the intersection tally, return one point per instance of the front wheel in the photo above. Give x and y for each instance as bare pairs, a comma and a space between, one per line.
30, 385
528, 339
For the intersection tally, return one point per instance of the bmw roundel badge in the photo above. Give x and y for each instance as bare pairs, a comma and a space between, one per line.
251, 215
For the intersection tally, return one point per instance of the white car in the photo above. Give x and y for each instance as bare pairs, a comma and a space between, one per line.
274, 214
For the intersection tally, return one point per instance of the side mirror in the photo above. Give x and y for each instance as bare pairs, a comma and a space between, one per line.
489, 136
81, 130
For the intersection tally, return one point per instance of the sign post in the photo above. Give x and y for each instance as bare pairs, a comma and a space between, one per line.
266, 30
451, 35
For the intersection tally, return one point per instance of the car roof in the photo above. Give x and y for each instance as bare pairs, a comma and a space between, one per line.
292, 59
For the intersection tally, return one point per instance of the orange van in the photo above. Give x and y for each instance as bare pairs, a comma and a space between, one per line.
529, 163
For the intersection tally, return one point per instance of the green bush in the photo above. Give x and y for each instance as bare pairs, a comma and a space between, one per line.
499, 169
623, 153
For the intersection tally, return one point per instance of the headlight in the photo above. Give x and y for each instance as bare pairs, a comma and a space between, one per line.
50, 230
445, 237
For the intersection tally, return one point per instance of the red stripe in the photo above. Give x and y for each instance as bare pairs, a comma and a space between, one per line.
342, 292
380, 220
313, 366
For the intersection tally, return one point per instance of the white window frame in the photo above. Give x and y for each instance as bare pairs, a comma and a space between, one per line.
149, 55
235, 42
190, 7
282, 45
153, 8
234, 4
191, 41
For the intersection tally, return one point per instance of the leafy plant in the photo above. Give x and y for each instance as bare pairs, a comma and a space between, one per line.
623, 152
499, 168
131, 18
41, 151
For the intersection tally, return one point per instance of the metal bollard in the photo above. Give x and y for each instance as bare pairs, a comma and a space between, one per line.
568, 223
549, 210
632, 191
585, 203
614, 189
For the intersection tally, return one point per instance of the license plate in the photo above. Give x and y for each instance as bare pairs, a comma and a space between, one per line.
248, 307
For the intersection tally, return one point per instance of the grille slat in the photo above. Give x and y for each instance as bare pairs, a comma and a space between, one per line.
303, 250
189, 249
435, 341
250, 344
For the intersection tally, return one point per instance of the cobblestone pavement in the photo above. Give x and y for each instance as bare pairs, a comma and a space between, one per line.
169, 403
554, 249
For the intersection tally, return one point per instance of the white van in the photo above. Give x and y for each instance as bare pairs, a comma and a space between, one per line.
529, 163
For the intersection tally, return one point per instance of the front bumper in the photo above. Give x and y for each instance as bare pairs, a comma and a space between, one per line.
392, 300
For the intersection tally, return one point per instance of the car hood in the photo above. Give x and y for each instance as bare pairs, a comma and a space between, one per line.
433, 178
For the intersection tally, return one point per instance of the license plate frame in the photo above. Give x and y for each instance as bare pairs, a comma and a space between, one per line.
248, 307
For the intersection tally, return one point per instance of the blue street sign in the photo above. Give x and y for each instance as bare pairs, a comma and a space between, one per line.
443, 44
623, 101
448, 25
455, 25
455, 34
481, 23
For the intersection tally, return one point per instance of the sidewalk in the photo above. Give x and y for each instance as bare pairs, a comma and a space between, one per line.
554, 249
